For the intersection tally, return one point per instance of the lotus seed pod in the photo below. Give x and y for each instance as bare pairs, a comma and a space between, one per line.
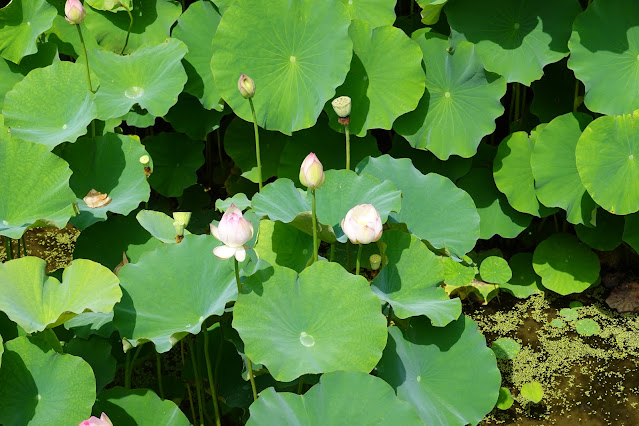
246, 86
311, 172
74, 12
376, 261
342, 106
145, 159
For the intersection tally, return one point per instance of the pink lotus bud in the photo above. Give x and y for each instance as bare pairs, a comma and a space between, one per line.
362, 224
234, 231
246, 86
311, 172
94, 421
74, 12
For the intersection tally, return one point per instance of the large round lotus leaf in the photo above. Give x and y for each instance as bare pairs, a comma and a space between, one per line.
631, 231
497, 217
109, 164
51, 105
196, 28
554, 167
410, 281
607, 233
281, 317
176, 159
110, 5
21, 22
296, 52
554, 94
340, 398
36, 301
428, 203
608, 162
190, 117
35, 188
460, 104
159, 225
280, 200
97, 352
282, 244
375, 12
457, 274
524, 282
495, 270
430, 366
565, 264
152, 22
604, 48
39, 386
386, 78
188, 284
133, 407
152, 77
522, 37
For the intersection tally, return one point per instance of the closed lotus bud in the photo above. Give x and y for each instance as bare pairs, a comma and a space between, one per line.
376, 261
311, 172
234, 231
94, 421
362, 224
74, 12
246, 86
342, 106
181, 221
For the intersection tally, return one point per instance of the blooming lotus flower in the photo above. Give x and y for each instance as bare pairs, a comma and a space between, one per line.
94, 421
246, 86
312, 172
74, 12
362, 224
234, 231
342, 106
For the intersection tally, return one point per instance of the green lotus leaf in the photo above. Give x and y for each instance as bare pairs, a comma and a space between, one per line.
631, 231
109, 164
284, 245
506, 348
607, 156
497, 217
1, 350
176, 159
554, 168
557, 323
36, 301
196, 28
342, 397
132, 407
42, 387
460, 104
280, 200
429, 218
158, 224
410, 281
97, 352
281, 317
240, 200
152, 22
522, 37
431, 9
21, 22
88, 324
376, 12
296, 52
189, 116
603, 54
152, 77
495, 270
50, 105
569, 314
416, 363
179, 305
380, 84
606, 235
457, 274
35, 188
533, 391
565, 265
554, 94
111, 5
587, 327
524, 282
505, 400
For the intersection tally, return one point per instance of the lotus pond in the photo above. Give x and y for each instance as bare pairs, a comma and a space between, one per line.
337, 212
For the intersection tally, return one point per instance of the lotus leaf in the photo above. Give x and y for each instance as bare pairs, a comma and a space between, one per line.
284, 245
431, 10
587, 327
375, 12
505, 400
495, 270
506, 348
606, 235
533, 391
189, 116
524, 282
111, 5
21, 22
96, 351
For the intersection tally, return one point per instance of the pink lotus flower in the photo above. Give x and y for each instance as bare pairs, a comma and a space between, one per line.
362, 224
94, 421
311, 172
234, 231
74, 12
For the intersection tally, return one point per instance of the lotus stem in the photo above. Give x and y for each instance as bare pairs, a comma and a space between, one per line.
198, 384
86, 57
24, 245
357, 262
575, 102
252, 378
158, 365
126, 41
517, 100
348, 147
210, 374
188, 387
130, 365
237, 277
314, 214
332, 255
257, 146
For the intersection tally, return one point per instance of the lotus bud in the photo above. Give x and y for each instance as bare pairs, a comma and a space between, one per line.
342, 106
362, 224
376, 261
311, 172
74, 12
234, 231
94, 421
246, 86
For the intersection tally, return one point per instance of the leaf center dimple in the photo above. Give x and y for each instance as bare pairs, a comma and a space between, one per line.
292, 58
134, 92
306, 339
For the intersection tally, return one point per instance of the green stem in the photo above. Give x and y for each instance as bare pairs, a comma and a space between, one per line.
237, 277
128, 374
188, 387
314, 214
575, 102
219, 148
390, 315
359, 256
198, 384
517, 101
7, 244
158, 367
53, 340
300, 385
348, 147
218, 358
24, 245
209, 371
252, 378
511, 106
86, 58
257, 146
332, 256
126, 41
348, 255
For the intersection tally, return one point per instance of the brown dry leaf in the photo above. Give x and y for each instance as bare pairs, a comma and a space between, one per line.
95, 199
125, 260
624, 298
